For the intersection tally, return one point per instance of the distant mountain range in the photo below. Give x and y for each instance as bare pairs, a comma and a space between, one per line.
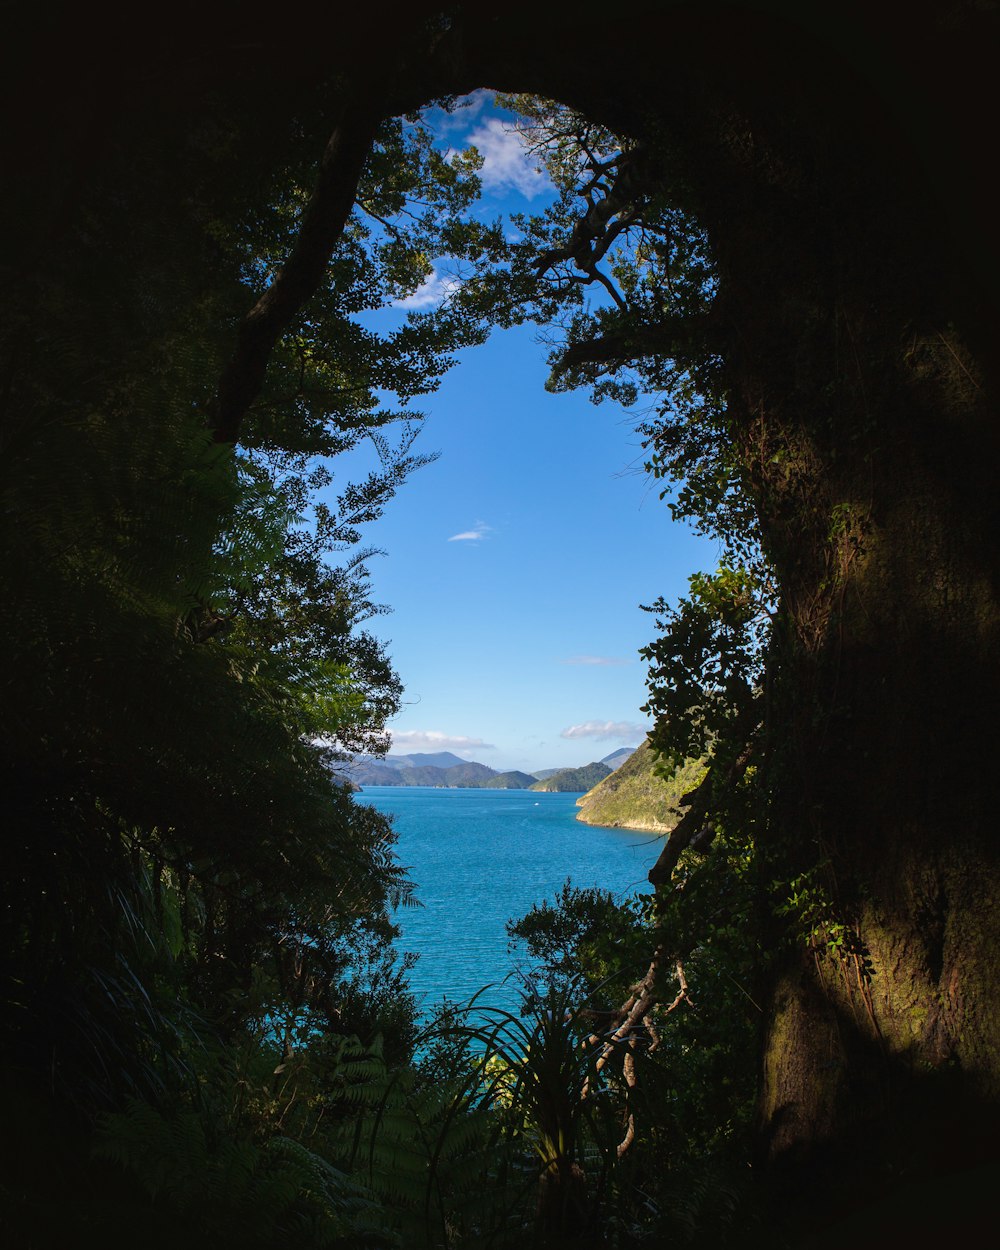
435, 759
443, 770
440, 769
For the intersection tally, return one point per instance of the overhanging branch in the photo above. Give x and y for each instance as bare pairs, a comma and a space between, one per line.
323, 223
596, 228
683, 337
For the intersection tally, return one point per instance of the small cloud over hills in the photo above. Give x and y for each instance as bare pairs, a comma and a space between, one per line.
606, 730
415, 739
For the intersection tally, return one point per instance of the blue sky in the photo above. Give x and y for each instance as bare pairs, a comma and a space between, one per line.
515, 564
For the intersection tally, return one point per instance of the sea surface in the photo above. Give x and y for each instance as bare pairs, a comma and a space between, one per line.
482, 857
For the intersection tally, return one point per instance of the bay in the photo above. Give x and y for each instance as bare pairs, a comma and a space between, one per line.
482, 857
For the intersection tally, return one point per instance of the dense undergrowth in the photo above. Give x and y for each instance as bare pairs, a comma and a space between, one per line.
208, 1038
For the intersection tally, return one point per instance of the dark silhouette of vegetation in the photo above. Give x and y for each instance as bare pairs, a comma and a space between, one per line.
773, 233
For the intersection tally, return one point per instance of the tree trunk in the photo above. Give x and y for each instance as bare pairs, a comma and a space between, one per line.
882, 773
561, 1211
866, 404
838, 168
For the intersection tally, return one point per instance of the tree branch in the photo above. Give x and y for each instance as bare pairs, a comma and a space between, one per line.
695, 828
323, 223
609, 286
595, 231
636, 1012
680, 336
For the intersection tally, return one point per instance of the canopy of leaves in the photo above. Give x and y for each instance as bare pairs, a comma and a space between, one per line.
194, 906
184, 622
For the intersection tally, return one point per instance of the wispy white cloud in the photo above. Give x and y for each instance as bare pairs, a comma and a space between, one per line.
475, 535
464, 111
419, 739
471, 105
507, 163
607, 730
434, 290
596, 661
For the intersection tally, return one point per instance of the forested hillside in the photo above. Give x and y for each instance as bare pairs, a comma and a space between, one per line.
463, 774
570, 780
513, 780
637, 795
774, 244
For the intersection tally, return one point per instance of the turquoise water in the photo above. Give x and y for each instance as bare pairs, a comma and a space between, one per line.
481, 858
